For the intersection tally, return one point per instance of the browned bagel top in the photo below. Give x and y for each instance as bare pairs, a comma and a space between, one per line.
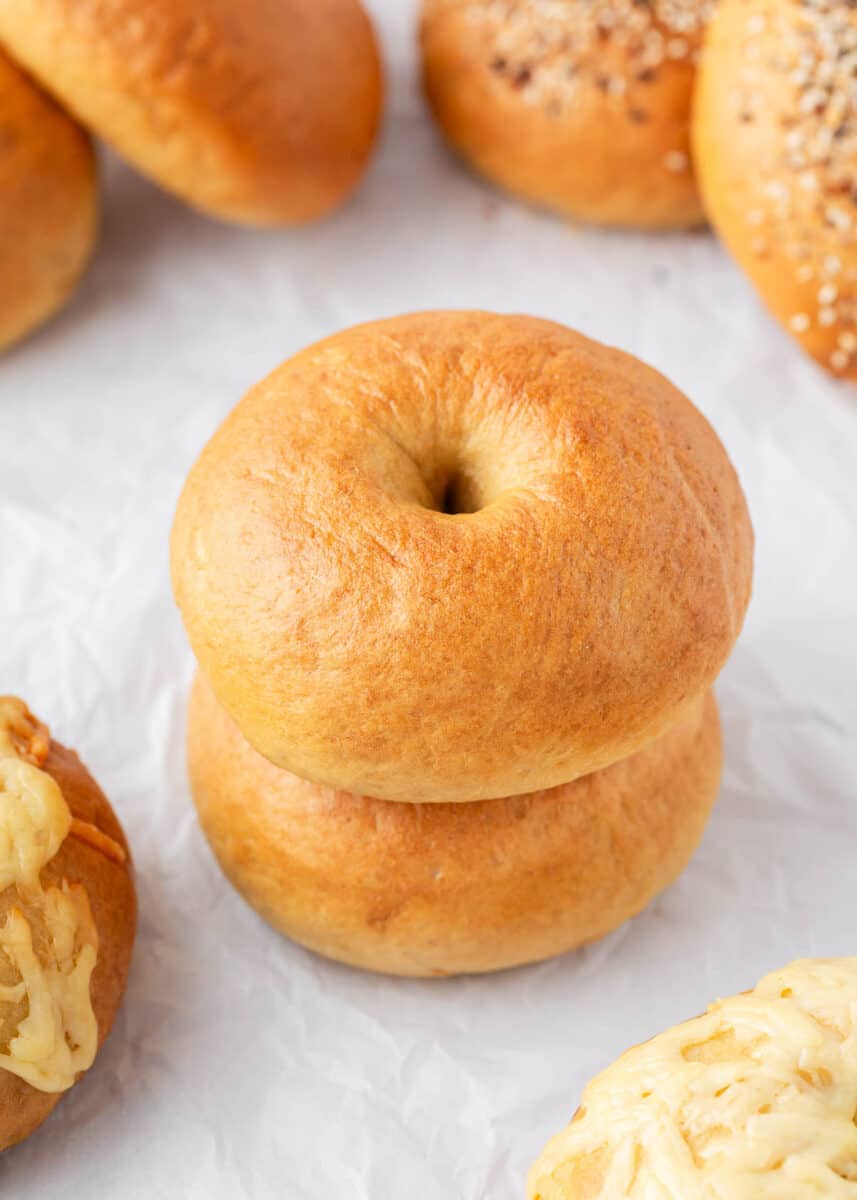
455, 556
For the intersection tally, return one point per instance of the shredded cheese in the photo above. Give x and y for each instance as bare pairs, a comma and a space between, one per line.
756, 1100
84, 831
48, 936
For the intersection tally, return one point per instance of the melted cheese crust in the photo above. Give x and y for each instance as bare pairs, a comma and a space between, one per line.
58, 1036
755, 1100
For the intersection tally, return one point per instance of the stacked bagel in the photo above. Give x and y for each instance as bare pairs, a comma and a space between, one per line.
262, 112
459, 585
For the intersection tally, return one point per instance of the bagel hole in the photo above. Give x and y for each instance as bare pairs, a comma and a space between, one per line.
459, 496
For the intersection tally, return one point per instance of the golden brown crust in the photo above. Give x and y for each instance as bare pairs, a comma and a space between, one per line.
775, 132
364, 640
112, 898
48, 204
581, 106
262, 112
442, 889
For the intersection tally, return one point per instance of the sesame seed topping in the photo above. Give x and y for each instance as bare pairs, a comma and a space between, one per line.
803, 194
549, 49
677, 161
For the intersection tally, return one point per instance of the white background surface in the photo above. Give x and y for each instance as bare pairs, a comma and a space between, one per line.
242, 1067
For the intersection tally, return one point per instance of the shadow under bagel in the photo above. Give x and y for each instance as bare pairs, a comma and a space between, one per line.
442, 889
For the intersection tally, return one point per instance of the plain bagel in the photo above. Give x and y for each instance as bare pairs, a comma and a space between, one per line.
582, 106
442, 889
67, 920
48, 204
259, 111
457, 556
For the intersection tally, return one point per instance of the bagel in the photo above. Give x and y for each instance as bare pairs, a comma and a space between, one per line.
67, 920
48, 205
442, 889
262, 112
578, 106
459, 556
775, 132
754, 1100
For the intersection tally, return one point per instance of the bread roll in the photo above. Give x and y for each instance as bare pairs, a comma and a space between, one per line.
67, 920
257, 111
459, 556
48, 204
442, 889
582, 106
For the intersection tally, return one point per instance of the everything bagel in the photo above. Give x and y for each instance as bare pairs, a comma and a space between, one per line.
582, 106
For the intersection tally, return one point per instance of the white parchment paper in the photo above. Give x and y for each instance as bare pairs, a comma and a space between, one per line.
241, 1067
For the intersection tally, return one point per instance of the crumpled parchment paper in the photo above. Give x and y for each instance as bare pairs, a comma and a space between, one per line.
241, 1067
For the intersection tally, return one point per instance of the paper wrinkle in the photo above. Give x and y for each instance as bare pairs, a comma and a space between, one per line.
241, 1067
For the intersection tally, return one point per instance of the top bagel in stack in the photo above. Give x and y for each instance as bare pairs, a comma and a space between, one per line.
258, 111
459, 556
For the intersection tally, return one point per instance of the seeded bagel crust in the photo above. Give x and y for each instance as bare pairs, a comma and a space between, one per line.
775, 133
582, 106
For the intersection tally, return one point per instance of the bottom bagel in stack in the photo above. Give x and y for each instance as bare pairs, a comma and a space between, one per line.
442, 889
